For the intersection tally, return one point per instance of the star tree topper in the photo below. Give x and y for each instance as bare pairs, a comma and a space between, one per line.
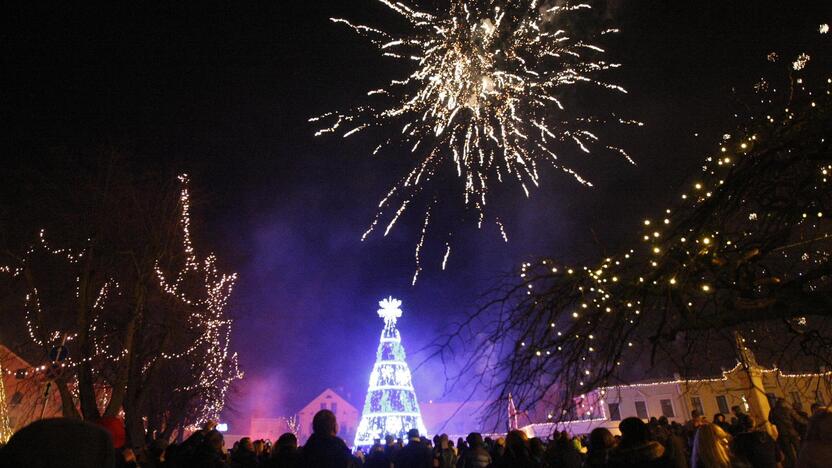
390, 309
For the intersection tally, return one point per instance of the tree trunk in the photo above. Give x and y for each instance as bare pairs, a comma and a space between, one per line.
86, 387
68, 408
121, 382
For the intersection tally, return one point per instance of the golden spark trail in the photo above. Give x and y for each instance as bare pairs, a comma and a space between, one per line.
484, 98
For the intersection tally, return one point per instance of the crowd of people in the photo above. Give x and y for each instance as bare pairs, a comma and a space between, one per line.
800, 441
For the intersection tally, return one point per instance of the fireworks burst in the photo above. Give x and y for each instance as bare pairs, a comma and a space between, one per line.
484, 99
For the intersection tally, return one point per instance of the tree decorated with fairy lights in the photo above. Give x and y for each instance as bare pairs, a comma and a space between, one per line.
745, 252
391, 407
144, 318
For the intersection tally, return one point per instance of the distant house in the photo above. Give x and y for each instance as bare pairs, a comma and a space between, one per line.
345, 413
25, 387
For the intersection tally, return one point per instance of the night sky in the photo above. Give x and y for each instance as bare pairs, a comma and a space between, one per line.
223, 90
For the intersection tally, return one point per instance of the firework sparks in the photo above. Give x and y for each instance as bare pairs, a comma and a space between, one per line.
484, 99
801, 61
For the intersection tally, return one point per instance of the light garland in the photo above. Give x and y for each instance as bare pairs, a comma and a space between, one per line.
214, 370
602, 392
576, 325
217, 367
5, 426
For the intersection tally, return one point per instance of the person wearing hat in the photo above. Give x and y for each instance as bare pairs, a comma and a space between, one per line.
415, 454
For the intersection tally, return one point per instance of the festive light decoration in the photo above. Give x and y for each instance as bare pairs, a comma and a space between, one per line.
747, 248
484, 98
293, 423
5, 426
595, 410
216, 367
199, 289
391, 406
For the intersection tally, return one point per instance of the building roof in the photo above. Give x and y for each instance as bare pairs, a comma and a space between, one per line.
328, 394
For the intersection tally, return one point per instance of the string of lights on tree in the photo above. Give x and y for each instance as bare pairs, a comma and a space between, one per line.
208, 355
483, 101
217, 368
747, 248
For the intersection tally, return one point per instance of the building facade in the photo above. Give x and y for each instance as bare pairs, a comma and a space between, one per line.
751, 387
27, 398
345, 413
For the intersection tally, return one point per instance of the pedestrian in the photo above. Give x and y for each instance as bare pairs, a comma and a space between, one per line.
711, 448
416, 454
59, 442
391, 447
788, 437
816, 451
324, 449
475, 456
600, 444
445, 456
538, 450
719, 420
737, 413
562, 452
517, 453
245, 456
285, 453
636, 448
156, 454
261, 450
753, 446
210, 453
377, 458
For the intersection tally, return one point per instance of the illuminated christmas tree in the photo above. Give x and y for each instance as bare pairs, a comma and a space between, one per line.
391, 406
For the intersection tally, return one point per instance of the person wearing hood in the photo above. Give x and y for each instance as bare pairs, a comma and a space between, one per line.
636, 448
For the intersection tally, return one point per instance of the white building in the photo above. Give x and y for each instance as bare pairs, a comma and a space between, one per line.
677, 398
345, 413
